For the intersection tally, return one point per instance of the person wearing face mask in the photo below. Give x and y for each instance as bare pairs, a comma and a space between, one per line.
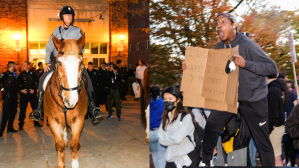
174, 133
156, 111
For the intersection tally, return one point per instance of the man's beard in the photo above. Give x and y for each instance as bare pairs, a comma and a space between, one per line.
14, 69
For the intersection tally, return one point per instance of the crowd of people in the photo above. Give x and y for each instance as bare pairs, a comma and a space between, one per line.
109, 82
265, 127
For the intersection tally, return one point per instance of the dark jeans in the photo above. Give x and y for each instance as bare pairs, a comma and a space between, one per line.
125, 88
24, 99
255, 113
289, 147
9, 111
192, 156
114, 93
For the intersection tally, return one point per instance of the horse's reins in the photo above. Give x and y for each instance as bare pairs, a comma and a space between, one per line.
63, 108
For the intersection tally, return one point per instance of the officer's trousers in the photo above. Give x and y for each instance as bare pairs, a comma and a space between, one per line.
9, 111
125, 89
52, 67
114, 93
24, 99
256, 116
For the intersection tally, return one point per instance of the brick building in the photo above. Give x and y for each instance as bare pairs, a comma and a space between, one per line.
138, 32
13, 20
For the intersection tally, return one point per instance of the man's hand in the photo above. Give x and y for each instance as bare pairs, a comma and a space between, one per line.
184, 66
239, 61
24, 91
47, 67
31, 91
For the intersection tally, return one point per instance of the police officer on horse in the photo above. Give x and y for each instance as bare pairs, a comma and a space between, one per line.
66, 31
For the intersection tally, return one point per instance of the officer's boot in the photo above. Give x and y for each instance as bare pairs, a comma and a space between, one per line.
38, 114
95, 112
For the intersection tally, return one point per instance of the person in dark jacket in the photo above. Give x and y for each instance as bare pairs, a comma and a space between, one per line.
156, 111
292, 126
40, 70
112, 91
287, 140
254, 64
102, 96
276, 115
95, 79
27, 83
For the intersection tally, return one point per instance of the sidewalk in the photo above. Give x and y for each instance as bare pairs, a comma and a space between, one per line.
111, 143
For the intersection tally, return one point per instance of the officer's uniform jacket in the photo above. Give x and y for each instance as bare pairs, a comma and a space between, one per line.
8, 84
27, 81
72, 32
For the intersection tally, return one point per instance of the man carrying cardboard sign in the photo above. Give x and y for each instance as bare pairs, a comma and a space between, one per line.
252, 92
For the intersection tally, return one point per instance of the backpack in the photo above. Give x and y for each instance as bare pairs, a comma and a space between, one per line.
198, 138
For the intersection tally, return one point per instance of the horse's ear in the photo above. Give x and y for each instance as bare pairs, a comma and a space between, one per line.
81, 41
59, 44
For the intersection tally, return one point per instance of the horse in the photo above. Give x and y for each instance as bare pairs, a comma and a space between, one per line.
65, 101
144, 117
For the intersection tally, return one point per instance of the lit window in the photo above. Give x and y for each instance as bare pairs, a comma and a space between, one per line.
86, 48
94, 48
103, 48
34, 48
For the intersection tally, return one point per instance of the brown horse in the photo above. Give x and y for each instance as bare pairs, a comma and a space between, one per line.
144, 117
65, 101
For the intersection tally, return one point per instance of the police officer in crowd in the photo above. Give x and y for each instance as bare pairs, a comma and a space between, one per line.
8, 87
112, 91
27, 83
119, 73
95, 79
102, 95
40, 70
66, 31
125, 75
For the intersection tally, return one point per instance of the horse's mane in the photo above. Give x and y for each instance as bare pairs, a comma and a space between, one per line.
71, 47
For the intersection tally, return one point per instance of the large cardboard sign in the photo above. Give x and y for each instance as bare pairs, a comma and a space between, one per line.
205, 83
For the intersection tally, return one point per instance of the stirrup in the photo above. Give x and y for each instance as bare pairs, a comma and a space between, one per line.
97, 113
36, 116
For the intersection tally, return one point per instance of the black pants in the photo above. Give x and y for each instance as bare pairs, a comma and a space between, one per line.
256, 116
24, 99
125, 89
9, 111
289, 147
192, 156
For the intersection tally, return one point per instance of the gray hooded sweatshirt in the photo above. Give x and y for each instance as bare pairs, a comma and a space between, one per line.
252, 80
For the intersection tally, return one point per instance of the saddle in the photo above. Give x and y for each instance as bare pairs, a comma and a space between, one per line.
85, 81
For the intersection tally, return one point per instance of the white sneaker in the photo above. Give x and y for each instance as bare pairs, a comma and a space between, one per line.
201, 164
289, 164
225, 165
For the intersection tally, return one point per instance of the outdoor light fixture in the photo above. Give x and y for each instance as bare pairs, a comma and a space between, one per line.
122, 37
17, 37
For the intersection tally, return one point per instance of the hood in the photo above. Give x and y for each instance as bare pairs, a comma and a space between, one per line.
156, 104
276, 83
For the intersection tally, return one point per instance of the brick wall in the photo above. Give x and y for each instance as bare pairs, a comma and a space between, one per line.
13, 19
118, 25
138, 35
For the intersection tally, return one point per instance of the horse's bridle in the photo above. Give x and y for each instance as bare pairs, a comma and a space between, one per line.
78, 88
63, 108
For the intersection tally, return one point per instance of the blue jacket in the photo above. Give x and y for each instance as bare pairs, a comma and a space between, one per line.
156, 111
